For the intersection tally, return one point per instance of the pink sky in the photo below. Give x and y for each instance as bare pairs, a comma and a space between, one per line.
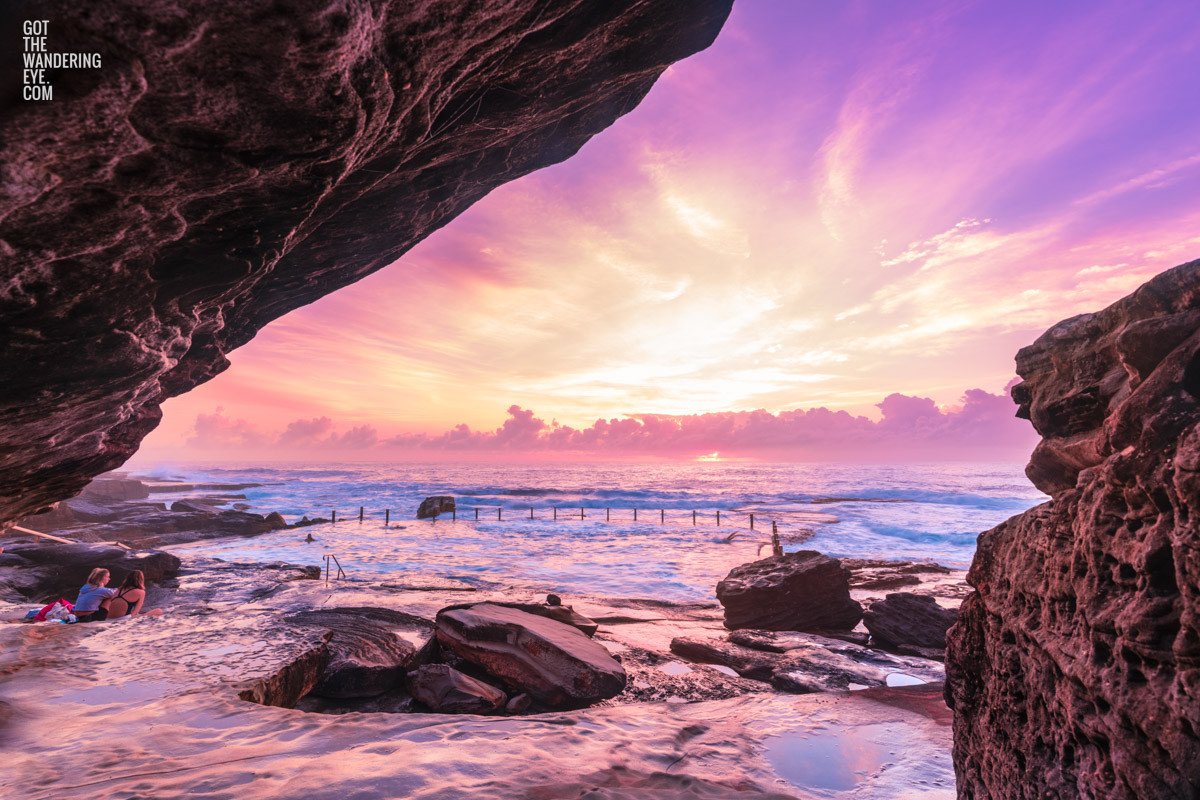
834, 204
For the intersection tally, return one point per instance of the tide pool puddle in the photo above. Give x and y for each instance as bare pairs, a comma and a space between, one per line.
832, 759
675, 668
131, 691
900, 679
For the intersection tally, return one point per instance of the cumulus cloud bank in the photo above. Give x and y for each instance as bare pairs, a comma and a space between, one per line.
911, 428
216, 431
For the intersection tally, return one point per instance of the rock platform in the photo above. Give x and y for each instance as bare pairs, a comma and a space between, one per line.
214, 677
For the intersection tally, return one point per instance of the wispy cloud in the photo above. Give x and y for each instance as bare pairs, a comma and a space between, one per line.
824, 207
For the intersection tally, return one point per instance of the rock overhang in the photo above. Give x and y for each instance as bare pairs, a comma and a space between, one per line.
231, 162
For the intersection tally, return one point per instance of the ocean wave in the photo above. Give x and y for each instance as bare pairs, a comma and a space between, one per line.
904, 512
927, 497
818, 501
953, 538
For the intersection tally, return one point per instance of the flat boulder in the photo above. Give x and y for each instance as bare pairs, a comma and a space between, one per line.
555, 663
909, 620
556, 612
105, 490
147, 526
801, 591
76, 511
809, 664
434, 506
367, 656
445, 689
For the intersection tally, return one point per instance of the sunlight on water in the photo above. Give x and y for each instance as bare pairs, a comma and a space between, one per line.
675, 549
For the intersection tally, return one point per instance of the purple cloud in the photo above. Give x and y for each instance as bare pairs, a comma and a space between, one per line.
912, 428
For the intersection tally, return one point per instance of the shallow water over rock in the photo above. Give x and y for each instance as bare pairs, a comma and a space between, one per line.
155, 703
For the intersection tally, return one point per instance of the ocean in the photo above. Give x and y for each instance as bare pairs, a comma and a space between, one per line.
891, 511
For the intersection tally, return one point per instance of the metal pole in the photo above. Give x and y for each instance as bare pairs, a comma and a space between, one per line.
556, 512
581, 512
635, 515
662, 517
693, 516
476, 512
531, 512
360, 514
335, 515
454, 514
608, 515
751, 522
387, 516
498, 513
718, 517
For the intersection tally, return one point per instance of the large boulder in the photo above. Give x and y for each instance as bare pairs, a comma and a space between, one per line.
367, 657
904, 619
254, 158
801, 591
445, 689
554, 662
1074, 667
435, 506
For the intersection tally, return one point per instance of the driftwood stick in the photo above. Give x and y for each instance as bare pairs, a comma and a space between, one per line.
19, 529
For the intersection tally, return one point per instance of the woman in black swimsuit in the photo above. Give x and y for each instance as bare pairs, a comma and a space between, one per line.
129, 598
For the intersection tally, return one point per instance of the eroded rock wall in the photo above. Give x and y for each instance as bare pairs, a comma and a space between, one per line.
1074, 669
232, 161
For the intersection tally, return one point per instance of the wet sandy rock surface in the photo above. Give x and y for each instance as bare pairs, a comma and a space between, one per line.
164, 695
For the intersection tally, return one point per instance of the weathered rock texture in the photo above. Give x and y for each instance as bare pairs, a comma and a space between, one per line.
435, 506
552, 661
291, 681
48, 571
802, 663
1074, 669
801, 591
447, 690
366, 658
908, 619
233, 161
558, 613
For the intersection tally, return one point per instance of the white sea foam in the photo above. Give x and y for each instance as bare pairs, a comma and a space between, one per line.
864, 511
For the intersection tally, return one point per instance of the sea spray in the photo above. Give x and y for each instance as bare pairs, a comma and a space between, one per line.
931, 512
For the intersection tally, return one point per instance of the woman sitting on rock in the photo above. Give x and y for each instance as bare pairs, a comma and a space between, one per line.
92, 605
129, 598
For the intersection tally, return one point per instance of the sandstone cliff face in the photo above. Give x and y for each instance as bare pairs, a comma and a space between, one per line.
1074, 669
233, 161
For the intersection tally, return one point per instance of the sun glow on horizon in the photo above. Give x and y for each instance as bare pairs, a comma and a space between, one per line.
824, 208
